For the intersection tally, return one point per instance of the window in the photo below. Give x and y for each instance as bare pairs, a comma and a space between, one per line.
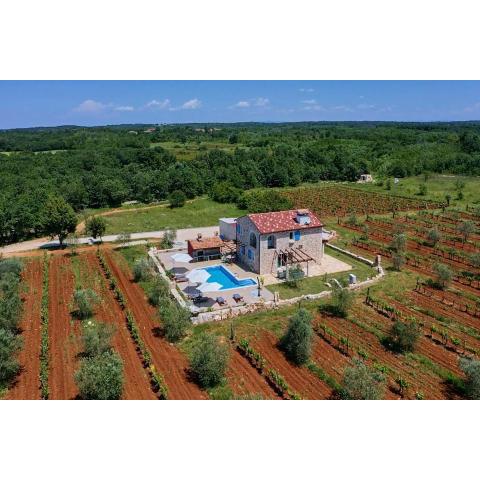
242, 250
271, 241
251, 255
291, 235
253, 240
297, 235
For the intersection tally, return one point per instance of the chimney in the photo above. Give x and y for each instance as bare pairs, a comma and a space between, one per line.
199, 237
303, 217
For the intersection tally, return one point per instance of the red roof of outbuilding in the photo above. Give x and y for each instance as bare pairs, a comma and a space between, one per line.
206, 243
272, 222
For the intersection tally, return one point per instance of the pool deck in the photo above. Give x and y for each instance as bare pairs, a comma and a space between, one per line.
249, 293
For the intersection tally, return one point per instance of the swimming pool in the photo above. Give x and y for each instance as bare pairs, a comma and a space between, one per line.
226, 278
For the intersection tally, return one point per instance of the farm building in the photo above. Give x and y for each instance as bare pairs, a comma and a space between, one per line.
269, 242
365, 178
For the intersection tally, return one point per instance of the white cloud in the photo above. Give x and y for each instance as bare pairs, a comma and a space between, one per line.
309, 102
192, 104
314, 107
242, 104
124, 108
342, 108
90, 106
261, 102
158, 104
306, 90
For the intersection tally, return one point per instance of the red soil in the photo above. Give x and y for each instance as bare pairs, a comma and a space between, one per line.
136, 381
63, 331
27, 384
168, 360
300, 379
244, 379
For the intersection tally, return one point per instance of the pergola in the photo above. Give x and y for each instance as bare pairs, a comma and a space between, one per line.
292, 255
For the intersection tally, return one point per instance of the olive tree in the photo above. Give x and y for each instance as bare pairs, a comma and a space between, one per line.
97, 338
297, 340
433, 236
465, 229
443, 274
341, 301
403, 336
142, 270
175, 319
362, 383
471, 368
58, 218
84, 301
100, 377
208, 360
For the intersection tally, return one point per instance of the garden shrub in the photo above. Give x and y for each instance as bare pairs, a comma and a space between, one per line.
297, 340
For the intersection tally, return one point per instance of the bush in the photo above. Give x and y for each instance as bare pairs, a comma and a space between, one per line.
295, 275
398, 242
297, 341
177, 199
97, 338
225, 192
142, 270
100, 377
443, 274
84, 301
471, 368
10, 265
208, 361
168, 239
342, 300
403, 336
465, 229
10, 344
362, 383
159, 289
96, 226
175, 319
257, 201
10, 301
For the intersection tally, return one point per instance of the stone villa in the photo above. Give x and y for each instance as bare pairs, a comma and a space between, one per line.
267, 242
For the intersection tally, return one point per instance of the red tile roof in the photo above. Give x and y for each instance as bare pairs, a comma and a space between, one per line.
204, 243
272, 222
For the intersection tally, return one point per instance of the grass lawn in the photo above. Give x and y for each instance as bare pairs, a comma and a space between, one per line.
202, 212
317, 284
189, 150
437, 187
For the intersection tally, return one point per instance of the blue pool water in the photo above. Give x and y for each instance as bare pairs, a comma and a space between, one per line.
224, 277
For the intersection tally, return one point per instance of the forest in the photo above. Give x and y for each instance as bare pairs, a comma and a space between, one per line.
99, 167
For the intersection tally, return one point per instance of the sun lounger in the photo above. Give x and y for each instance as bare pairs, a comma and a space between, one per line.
221, 301
237, 297
181, 278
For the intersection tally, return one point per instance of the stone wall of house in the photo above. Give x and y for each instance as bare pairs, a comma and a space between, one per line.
244, 227
263, 259
310, 242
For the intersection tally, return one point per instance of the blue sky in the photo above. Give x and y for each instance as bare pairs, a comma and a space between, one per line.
49, 103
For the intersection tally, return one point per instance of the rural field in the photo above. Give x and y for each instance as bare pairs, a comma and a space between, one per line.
432, 281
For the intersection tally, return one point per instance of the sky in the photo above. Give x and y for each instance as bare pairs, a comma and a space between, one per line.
89, 103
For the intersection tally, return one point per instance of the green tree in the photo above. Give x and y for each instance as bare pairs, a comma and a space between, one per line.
100, 377
471, 368
168, 239
175, 319
342, 300
142, 270
433, 236
96, 226
208, 360
97, 338
422, 190
403, 336
398, 242
398, 260
177, 199
362, 383
84, 301
297, 340
443, 274
465, 229
10, 344
58, 218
